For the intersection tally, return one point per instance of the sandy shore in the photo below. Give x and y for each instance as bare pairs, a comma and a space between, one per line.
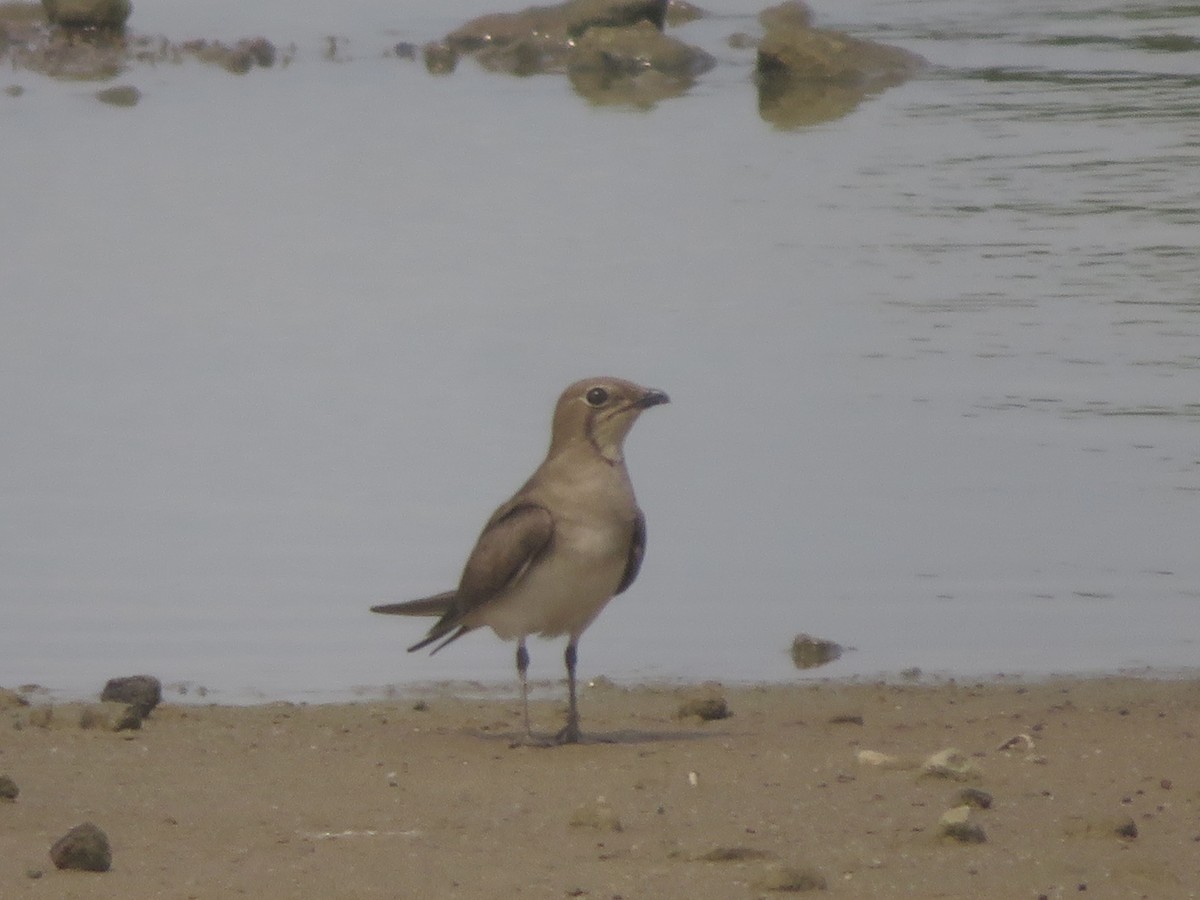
429, 799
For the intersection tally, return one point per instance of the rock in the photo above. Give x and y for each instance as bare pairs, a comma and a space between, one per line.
11, 699
1102, 826
970, 833
8, 788
110, 716
1125, 827
883, 760
1022, 742
143, 692
846, 719
680, 12
528, 55
808, 652
733, 854
975, 798
791, 14
130, 719
13, 90
636, 66
598, 815
125, 95
956, 824
560, 23
261, 51
613, 50
633, 49
237, 59
791, 879
333, 48
952, 764
88, 13
642, 91
808, 75
96, 717
792, 48
84, 847
70, 55
707, 709
439, 58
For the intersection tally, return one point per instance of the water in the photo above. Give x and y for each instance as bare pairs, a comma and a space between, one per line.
274, 346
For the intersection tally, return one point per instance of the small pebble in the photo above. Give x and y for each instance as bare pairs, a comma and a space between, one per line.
733, 854
84, 847
110, 716
439, 57
790, 879
809, 652
846, 719
1021, 742
598, 815
952, 764
883, 760
974, 797
956, 824
125, 95
707, 709
1125, 828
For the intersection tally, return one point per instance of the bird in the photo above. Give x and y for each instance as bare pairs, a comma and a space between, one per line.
568, 541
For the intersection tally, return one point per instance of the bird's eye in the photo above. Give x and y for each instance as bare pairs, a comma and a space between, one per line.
597, 396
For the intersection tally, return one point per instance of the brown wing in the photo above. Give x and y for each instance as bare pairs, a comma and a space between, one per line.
637, 549
512, 539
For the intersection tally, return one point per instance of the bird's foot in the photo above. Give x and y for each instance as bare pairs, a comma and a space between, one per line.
570, 734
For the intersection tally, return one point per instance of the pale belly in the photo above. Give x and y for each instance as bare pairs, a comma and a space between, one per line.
562, 594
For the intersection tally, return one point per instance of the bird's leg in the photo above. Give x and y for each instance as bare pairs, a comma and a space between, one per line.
522, 669
570, 733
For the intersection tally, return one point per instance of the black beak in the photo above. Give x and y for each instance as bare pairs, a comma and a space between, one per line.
652, 398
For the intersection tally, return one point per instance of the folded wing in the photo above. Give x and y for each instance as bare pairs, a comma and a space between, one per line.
512, 540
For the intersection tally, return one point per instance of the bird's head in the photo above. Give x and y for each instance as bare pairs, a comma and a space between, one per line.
600, 411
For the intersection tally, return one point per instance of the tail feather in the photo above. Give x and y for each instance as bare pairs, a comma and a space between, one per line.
437, 605
437, 633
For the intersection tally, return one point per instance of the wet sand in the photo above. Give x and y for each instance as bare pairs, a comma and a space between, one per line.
401, 798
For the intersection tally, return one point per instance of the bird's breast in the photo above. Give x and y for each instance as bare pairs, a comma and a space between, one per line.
565, 588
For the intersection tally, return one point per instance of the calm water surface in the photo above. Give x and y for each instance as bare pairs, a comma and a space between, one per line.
272, 347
